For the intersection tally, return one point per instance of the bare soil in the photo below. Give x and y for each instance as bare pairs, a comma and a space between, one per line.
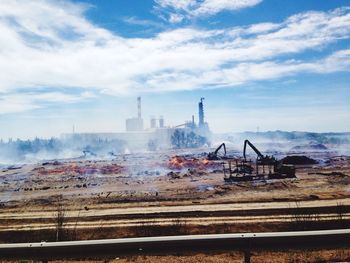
311, 256
160, 194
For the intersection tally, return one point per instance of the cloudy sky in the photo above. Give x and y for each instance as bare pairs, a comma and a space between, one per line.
272, 64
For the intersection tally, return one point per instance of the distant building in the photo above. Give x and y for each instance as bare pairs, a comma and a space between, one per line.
203, 127
201, 113
153, 123
158, 136
135, 124
161, 122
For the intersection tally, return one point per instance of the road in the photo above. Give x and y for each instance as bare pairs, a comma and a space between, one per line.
175, 244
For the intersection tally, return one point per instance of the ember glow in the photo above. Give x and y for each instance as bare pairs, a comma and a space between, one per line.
179, 163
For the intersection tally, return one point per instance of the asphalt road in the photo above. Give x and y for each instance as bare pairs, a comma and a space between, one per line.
177, 244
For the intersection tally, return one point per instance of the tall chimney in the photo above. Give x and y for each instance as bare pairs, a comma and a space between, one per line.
201, 113
139, 107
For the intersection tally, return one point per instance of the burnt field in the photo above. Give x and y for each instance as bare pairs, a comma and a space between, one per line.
172, 192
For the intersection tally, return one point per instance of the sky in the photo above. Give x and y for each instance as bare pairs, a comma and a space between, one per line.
259, 64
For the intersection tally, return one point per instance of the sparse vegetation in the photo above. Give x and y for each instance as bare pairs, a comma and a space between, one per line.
181, 139
60, 220
179, 226
302, 218
340, 211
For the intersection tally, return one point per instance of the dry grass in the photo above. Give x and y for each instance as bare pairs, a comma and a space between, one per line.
311, 256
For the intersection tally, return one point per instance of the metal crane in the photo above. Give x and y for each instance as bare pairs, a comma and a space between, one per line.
89, 153
214, 155
279, 169
261, 159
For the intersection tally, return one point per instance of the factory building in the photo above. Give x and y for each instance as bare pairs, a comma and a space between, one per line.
153, 123
158, 135
203, 127
161, 122
135, 124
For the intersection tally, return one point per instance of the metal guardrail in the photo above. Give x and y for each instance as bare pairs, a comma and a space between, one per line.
169, 244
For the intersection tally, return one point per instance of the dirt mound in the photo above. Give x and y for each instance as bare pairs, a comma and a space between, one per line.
298, 159
339, 160
310, 147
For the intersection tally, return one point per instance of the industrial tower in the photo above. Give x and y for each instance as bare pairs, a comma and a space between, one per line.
201, 113
135, 124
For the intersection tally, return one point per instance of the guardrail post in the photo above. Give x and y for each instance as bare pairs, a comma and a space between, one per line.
246, 256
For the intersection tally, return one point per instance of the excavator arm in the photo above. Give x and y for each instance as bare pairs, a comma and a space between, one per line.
218, 149
214, 155
253, 147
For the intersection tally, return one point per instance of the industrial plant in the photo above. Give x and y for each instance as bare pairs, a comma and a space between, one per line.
157, 136
161, 180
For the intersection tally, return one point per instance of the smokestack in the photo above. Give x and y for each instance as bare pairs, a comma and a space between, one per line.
161, 122
139, 107
201, 113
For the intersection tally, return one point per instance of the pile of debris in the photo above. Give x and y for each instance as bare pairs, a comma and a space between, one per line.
73, 168
298, 160
334, 173
338, 160
310, 147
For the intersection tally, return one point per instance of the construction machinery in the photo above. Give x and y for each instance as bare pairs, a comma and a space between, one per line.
266, 167
261, 159
88, 153
111, 153
215, 156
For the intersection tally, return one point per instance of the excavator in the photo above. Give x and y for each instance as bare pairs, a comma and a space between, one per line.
88, 153
214, 155
261, 159
279, 170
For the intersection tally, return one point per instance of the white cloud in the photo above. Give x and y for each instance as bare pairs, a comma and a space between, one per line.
246, 72
24, 101
14, 104
338, 61
179, 9
46, 44
316, 118
176, 18
49, 97
210, 7
262, 28
132, 20
177, 4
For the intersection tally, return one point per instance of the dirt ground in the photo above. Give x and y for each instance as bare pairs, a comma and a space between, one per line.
152, 180
167, 193
292, 256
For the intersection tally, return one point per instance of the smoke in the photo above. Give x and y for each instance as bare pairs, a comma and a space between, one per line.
94, 146
31, 151
282, 143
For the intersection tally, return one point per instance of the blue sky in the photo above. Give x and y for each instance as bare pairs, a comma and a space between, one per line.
270, 64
